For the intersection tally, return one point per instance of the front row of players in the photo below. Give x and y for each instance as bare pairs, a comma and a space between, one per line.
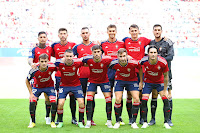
155, 77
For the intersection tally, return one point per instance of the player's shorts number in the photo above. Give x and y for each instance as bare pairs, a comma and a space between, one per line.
34, 90
60, 90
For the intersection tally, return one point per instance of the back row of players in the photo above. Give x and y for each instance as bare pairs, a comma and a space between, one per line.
119, 67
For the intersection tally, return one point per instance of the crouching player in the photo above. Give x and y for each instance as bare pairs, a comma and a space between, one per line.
155, 77
126, 77
70, 83
42, 83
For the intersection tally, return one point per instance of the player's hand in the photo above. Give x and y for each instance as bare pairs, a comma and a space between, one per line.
32, 96
34, 66
140, 85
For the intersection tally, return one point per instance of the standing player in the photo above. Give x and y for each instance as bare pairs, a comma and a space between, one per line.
165, 50
155, 77
110, 48
42, 83
58, 50
81, 50
98, 66
33, 59
70, 83
135, 47
126, 77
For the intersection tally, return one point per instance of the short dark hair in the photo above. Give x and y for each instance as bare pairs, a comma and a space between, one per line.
42, 32
62, 29
121, 50
95, 47
111, 26
157, 25
43, 56
152, 46
84, 28
69, 51
134, 26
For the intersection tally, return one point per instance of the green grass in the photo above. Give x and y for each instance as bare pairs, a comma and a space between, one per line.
14, 118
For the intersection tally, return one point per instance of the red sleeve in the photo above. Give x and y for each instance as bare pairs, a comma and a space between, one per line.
165, 68
147, 41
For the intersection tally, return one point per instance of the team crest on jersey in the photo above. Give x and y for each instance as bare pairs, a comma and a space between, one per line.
39, 76
101, 65
49, 73
128, 69
158, 67
91, 65
63, 68
74, 68
47, 51
116, 46
139, 42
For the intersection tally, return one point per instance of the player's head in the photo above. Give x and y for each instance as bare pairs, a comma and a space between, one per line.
62, 34
85, 33
152, 52
122, 55
68, 55
112, 31
97, 51
43, 60
134, 31
42, 37
157, 30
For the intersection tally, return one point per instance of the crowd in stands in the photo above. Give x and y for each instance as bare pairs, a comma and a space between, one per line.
21, 20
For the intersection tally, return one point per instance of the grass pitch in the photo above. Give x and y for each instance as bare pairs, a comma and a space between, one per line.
14, 118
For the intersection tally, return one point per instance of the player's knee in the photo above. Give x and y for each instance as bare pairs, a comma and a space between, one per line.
118, 99
136, 100
48, 102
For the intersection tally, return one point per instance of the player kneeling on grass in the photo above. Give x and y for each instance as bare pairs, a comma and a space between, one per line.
126, 77
70, 83
42, 83
155, 77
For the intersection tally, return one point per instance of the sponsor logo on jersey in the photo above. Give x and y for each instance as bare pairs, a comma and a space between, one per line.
97, 70
128, 69
44, 79
82, 49
134, 49
69, 73
61, 54
152, 73
111, 53
124, 75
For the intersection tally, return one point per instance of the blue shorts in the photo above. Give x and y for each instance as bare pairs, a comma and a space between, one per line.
105, 87
148, 87
76, 90
57, 83
129, 85
111, 76
50, 91
84, 82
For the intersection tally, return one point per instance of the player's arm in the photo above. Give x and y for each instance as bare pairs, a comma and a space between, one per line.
141, 79
31, 57
30, 76
165, 80
170, 53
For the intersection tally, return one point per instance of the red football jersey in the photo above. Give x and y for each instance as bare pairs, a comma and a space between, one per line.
36, 52
154, 73
58, 51
98, 71
82, 50
69, 76
136, 49
42, 79
125, 73
111, 49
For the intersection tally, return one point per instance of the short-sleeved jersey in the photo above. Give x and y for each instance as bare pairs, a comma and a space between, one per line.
136, 49
42, 79
154, 73
58, 51
98, 70
69, 76
36, 52
111, 48
82, 50
125, 73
